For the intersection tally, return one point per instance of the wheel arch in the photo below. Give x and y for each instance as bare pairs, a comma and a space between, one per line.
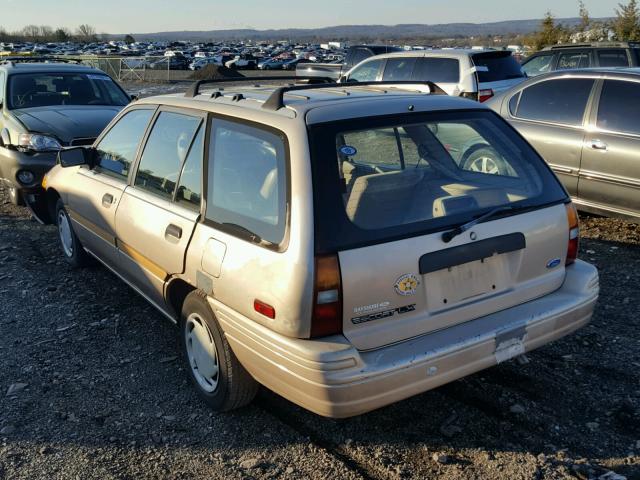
175, 293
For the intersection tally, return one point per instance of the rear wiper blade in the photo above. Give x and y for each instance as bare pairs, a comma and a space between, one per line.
451, 234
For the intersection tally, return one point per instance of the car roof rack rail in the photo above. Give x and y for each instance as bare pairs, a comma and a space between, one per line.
276, 101
194, 89
36, 59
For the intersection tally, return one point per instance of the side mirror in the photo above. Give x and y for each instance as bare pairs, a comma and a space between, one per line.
73, 157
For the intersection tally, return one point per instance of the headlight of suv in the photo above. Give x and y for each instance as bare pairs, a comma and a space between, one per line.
38, 143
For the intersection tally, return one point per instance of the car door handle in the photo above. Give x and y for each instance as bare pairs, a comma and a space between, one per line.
107, 200
173, 231
599, 145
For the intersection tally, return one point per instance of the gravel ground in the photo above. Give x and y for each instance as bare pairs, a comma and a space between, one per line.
91, 388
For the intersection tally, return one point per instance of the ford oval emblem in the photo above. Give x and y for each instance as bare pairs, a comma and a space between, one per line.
348, 150
554, 263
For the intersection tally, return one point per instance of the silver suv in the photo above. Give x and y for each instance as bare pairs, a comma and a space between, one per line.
323, 241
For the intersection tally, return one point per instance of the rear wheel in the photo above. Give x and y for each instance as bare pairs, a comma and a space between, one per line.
219, 378
72, 249
485, 160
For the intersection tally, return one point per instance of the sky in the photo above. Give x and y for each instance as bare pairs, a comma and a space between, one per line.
142, 16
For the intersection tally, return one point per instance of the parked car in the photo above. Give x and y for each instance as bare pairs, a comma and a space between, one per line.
242, 62
170, 62
201, 62
582, 55
370, 269
586, 125
475, 74
271, 64
45, 107
355, 55
293, 64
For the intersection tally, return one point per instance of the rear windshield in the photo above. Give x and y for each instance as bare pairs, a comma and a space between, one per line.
500, 65
378, 179
47, 89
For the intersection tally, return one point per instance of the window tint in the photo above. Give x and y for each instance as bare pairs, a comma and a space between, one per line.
117, 149
613, 58
557, 101
166, 149
367, 72
500, 65
619, 108
538, 65
399, 69
190, 188
569, 60
247, 182
443, 70
359, 55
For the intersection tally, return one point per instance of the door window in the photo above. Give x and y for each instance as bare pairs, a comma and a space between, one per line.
619, 108
538, 65
569, 60
438, 70
613, 58
557, 101
399, 69
166, 149
247, 182
367, 72
189, 190
117, 149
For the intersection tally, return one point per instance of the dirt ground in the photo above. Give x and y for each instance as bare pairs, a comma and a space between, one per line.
91, 388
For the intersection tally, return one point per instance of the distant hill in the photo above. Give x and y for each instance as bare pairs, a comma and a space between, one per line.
356, 32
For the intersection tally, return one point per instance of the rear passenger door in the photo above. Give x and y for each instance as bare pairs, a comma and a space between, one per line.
159, 210
610, 172
573, 59
550, 114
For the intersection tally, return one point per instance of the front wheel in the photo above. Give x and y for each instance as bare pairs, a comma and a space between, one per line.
72, 249
219, 378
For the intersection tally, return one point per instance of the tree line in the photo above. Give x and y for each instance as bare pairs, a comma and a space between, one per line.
624, 26
43, 34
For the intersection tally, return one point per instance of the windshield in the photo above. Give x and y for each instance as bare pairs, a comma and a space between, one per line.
500, 65
47, 89
407, 177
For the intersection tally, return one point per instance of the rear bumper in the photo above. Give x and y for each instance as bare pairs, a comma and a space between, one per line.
330, 377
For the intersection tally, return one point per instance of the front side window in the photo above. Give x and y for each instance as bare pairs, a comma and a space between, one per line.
538, 65
367, 72
556, 101
438, 70
46, 89
117, 149
399, 69
165, 151
405, 177
619, 108
189, 191
613, 58
247, 182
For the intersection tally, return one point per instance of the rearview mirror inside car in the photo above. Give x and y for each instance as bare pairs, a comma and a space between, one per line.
73, 157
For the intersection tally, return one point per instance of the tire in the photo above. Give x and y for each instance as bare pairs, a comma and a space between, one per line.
72, 249
15, 197
485, 160
222, 382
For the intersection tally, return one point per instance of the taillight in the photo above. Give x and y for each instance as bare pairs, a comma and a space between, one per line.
484, 95
574, 233
327, 297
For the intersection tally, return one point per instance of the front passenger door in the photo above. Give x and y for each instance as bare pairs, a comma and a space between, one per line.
158, 213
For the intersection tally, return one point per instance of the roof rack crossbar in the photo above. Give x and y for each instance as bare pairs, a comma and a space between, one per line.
276, 101
194, 89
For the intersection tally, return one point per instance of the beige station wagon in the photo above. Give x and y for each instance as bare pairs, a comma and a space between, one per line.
324, 241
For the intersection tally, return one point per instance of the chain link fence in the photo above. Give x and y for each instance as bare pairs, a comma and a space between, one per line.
139, 68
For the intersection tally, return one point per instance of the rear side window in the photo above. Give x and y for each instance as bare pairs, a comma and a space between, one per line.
439, 70
557, 101
399, 69
367, 72
538, 65
619, 108
166, 150
613, 58
569, 60
409, 176
247, 182
499, 66
117, 149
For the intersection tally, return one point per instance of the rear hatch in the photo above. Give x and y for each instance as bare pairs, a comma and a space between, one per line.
401, 183
497, 70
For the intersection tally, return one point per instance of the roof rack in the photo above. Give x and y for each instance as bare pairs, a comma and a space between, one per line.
194, 90
36, 59
276, 101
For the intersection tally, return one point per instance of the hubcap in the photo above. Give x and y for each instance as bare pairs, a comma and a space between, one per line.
202, 353
484, 165
64, 229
